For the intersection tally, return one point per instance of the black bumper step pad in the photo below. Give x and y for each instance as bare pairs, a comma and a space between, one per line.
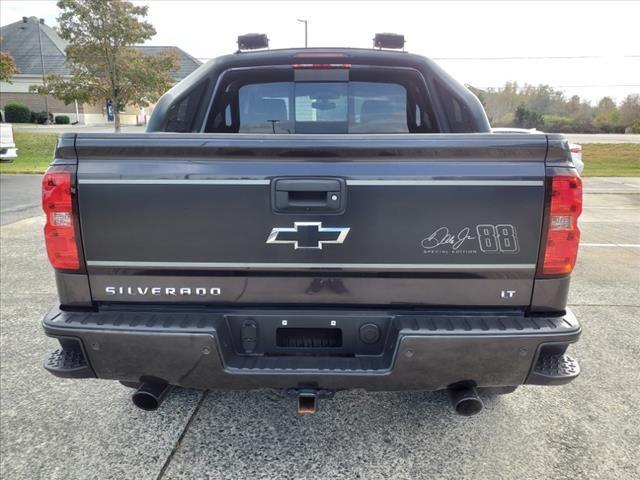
554, 370
68, 364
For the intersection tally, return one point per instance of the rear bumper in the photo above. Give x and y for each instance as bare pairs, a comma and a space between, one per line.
418, 350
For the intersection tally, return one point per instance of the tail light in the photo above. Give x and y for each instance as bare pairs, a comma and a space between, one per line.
60, 230
563, 234
576, 149
321, 65
320, 55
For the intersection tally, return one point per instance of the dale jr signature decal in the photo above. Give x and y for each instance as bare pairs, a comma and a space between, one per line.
487, 238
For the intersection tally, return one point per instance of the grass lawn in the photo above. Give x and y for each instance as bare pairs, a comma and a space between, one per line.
35, 152
611, 159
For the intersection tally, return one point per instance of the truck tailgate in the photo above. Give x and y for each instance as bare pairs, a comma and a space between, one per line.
447, 220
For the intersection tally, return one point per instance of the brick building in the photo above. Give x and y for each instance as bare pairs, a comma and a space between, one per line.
36, 47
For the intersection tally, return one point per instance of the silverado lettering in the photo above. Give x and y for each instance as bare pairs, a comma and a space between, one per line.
201, 291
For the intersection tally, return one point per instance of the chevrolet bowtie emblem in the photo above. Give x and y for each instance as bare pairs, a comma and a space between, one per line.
309, 235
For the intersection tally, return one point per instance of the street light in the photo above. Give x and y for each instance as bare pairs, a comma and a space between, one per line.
44, 81
305, 31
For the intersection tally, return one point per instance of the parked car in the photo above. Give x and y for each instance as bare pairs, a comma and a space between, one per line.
574, 148
314, 220
8, 150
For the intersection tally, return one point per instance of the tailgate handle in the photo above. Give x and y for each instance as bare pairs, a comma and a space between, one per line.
308, 195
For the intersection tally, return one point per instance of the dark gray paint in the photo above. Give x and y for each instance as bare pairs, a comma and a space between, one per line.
73, 289
187, 214
550, 294
320, 289
231, 223
166, 147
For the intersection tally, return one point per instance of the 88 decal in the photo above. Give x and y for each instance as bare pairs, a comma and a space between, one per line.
497, 238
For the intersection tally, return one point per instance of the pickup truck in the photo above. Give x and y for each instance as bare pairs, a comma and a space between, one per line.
314, 220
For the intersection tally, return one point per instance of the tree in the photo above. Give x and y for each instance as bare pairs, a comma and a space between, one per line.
542, 106
7, 67
606, 105
543, 99
500, 103
573, 106
104, 66
630, 110
607, 115
525, 118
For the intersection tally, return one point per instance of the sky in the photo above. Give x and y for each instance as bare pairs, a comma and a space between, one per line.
483, 44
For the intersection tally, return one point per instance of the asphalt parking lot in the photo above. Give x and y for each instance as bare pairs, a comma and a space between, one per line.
19, 197
54, 428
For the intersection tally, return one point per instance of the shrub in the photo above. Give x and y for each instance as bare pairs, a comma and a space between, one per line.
525, 118
40, 117
62, 120
17, 113
557, 123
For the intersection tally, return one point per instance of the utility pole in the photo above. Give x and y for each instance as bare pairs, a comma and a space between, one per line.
305, 31
46, 99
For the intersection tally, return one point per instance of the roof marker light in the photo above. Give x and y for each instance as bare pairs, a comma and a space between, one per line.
253, 41
388, 40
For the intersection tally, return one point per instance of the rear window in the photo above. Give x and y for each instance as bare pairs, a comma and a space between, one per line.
329, 107
361, 105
